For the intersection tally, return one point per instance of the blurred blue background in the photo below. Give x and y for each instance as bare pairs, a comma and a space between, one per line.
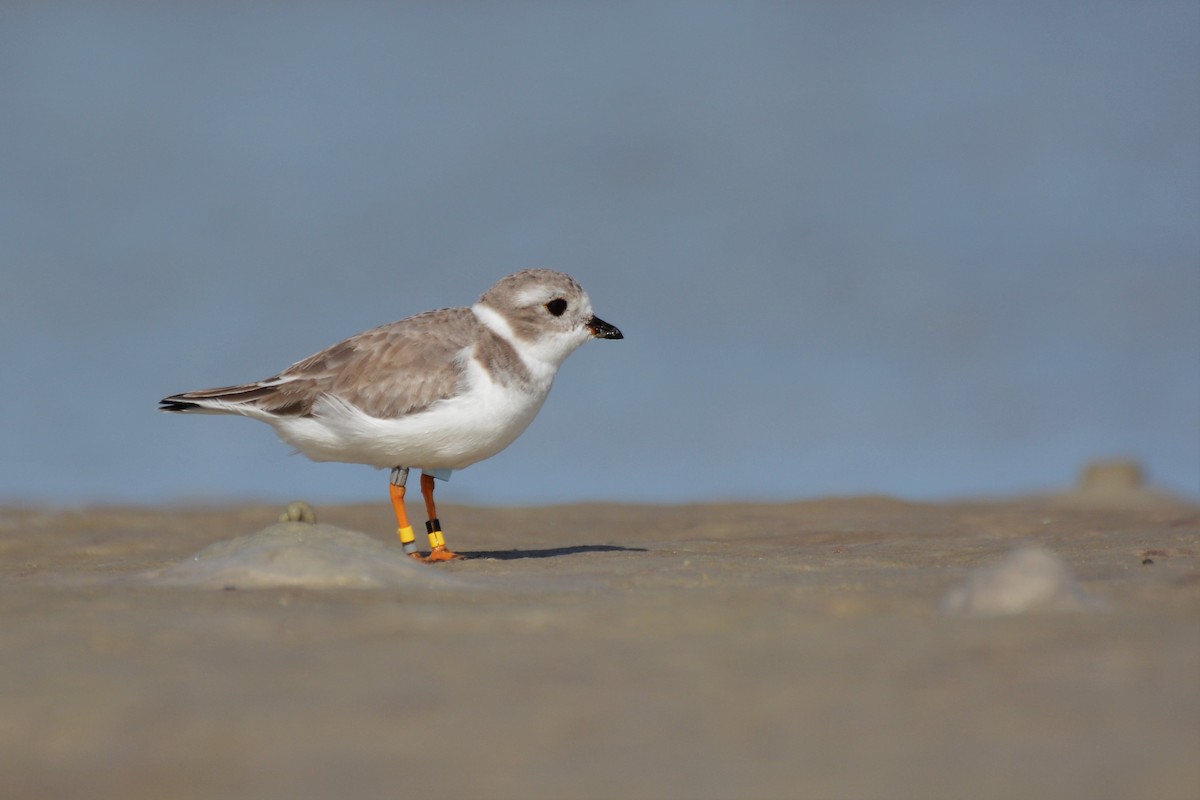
923, 249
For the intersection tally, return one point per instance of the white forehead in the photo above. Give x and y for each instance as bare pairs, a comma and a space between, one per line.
541, 293
531, 294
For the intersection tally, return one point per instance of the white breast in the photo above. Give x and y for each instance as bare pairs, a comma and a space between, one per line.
451, 434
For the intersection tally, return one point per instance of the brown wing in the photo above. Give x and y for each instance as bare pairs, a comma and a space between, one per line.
386, 372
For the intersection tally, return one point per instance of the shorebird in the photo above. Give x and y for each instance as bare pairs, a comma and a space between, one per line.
438, 391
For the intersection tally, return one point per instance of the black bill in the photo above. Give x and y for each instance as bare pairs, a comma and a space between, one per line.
602, 330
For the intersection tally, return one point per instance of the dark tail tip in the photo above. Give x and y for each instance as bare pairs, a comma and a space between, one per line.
176, 405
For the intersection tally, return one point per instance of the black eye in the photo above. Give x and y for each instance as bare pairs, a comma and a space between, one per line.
557, 306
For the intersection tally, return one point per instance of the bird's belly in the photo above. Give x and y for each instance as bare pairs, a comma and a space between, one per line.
450, 434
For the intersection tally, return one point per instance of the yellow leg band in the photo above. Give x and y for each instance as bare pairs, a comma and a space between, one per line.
436, 539
406, 535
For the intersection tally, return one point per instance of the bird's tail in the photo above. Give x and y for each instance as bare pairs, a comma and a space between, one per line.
221, 400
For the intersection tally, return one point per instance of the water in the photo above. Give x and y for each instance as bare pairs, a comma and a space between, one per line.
915, 251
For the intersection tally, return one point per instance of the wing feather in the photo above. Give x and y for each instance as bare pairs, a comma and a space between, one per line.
387, 372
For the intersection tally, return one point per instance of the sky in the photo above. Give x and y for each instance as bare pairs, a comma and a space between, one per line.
924, 250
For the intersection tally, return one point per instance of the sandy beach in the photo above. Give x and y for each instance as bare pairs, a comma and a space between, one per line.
605, 651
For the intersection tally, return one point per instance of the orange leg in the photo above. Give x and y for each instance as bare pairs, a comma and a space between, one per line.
407, 538
434, 527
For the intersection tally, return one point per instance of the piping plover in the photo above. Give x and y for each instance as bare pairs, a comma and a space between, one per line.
438, 391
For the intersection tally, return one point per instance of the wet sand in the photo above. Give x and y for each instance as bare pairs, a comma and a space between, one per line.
602, 651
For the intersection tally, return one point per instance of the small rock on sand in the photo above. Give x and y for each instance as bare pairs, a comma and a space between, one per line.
1109, 476
303, 554
1028, 579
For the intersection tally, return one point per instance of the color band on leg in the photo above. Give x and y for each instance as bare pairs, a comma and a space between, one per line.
408, 539
433, 527
437, 541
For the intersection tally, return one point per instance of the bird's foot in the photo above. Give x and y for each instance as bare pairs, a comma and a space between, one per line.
440, 553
